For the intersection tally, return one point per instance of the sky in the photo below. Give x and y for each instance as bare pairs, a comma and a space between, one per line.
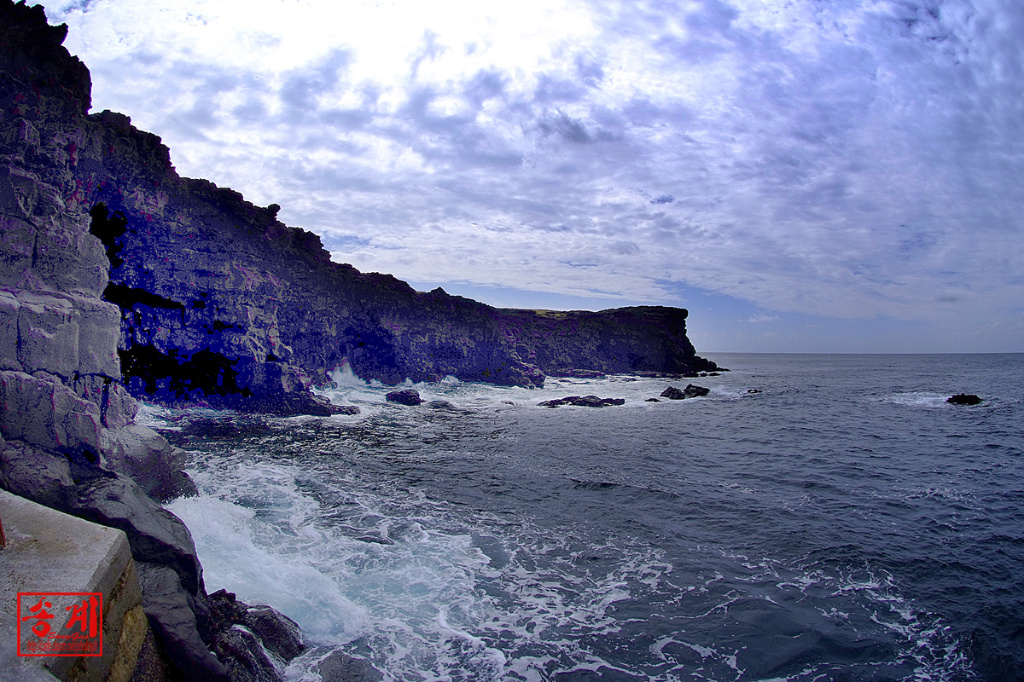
802, 175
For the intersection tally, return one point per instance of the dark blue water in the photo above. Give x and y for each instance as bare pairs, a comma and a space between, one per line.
843, 523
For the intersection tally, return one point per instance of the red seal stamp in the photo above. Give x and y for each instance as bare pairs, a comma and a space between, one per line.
60, 624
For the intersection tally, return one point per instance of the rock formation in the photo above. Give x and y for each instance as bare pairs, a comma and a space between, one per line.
67, 437
121, 280
584, 401
406, 396
691, 391
217, 300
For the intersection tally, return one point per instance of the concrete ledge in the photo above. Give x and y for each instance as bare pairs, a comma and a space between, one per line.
49, 551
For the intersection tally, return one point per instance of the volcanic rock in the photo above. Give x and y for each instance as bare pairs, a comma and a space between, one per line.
585, 401
156, 535
171, 616
341, 667
193, 295
691, 391
406, 396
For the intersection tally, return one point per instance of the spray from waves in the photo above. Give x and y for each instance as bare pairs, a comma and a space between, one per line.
346, 388
927, 399
426, 592
253, 542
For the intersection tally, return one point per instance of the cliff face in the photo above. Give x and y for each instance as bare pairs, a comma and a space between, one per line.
67, 437
120, 279
210, 298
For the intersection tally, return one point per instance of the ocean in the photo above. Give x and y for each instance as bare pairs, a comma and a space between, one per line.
815, 517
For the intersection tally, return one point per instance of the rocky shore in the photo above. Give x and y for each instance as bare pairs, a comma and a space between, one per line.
120, 280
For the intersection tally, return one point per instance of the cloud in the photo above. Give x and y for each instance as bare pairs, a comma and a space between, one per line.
823, 157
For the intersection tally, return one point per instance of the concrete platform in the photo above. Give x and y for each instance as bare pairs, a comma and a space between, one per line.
49, 551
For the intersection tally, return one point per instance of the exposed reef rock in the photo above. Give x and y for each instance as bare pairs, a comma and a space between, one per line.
404, 397
218, 302
584, 401
691, 391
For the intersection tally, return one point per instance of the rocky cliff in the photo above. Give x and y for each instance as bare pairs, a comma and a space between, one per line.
220, 302
120, 280
67, 434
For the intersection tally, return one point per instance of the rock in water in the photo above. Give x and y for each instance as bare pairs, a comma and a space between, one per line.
341, 667
585, 401
963, 399
406, 396
691, 391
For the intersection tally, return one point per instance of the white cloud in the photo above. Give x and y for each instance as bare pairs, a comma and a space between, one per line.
854, 158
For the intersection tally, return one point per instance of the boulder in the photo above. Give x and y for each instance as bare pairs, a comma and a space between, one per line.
406, 396
36, 474
243, 656
691, 391
168, 606
277, 632
156, 535
152, 462
245, 637
964, 399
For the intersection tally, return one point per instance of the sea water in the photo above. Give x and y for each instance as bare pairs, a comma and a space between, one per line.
815, 517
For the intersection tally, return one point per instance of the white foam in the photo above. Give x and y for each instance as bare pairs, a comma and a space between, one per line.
917, 399
228, 539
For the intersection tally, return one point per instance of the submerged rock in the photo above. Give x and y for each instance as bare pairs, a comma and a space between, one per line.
341, 667
964, 399
406, 396
691, 391
584, 401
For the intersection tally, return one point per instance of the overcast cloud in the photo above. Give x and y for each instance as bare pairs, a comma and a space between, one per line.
801, 174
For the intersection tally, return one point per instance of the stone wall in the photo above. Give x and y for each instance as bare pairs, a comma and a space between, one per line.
48, 551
